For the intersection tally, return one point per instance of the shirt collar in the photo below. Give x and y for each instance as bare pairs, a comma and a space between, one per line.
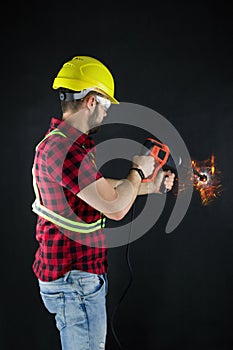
74, 134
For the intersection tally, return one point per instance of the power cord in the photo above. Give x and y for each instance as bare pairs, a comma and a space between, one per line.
129, 283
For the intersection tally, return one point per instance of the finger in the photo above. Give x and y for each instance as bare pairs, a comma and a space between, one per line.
168, 183
168, 173
169, 186
169, 179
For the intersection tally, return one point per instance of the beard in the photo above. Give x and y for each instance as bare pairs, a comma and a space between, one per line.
94, 125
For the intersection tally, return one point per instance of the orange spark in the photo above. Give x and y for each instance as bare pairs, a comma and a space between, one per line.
210, 187
212, 166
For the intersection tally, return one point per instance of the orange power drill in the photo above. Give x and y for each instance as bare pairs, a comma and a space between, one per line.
162, 156
164, 160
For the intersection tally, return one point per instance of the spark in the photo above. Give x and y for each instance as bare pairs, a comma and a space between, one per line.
206, 179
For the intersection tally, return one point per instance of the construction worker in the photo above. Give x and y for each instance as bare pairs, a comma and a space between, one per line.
73, 200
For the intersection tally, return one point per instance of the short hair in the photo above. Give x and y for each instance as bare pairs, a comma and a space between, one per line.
73, 105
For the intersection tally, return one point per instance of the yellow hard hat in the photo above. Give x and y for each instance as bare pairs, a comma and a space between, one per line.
83, 72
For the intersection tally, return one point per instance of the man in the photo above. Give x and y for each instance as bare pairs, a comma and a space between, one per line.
72, 201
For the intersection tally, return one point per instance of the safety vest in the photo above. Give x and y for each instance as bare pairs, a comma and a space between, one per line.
59, 220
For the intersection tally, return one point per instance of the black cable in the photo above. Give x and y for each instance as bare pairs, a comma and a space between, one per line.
129, 283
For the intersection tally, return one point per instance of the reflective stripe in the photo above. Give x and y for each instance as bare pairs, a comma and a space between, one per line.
55, 131
55, 218
61, 221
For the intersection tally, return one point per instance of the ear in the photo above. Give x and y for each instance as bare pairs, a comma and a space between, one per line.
90, 102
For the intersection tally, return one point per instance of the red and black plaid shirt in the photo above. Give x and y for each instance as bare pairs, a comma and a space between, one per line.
63, 166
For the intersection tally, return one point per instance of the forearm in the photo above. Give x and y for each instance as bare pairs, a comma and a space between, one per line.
127, 191
132, 185
144, 187
112, 197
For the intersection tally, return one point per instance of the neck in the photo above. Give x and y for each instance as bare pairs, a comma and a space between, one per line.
77, 120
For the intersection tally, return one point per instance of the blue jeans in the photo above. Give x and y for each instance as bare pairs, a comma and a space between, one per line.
78, 300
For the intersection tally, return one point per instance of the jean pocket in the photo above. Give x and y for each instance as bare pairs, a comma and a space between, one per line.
55, 304
91, 285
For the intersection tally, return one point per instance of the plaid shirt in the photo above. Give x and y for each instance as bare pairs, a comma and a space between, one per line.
63, 166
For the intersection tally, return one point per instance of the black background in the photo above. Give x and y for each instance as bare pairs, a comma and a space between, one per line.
175, 58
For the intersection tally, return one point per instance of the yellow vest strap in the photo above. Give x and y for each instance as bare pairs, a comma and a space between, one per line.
61, 221
55, 218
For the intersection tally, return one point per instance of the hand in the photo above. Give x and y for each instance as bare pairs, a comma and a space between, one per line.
165, 177
145, 163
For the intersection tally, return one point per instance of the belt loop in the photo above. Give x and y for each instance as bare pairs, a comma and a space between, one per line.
66, 276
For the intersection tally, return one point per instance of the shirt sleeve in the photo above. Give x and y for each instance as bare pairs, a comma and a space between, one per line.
71, 167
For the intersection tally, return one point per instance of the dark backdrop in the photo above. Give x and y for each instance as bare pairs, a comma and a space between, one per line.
176, 59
